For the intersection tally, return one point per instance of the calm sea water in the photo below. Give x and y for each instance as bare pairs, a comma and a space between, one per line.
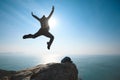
91, 67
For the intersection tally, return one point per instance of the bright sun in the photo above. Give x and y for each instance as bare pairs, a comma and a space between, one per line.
52, 22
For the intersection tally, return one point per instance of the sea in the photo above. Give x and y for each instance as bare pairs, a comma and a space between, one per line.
90, 67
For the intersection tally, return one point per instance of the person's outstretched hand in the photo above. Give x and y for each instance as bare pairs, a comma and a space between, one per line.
52, 7
32, 13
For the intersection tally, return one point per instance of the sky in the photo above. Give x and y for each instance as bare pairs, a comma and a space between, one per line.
82, 26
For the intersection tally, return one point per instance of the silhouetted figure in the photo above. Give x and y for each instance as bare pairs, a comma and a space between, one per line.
44, 30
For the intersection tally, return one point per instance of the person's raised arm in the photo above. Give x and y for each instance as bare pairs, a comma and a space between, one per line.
51, 12
35, 16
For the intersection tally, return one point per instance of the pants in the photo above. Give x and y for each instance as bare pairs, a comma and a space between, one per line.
42, 31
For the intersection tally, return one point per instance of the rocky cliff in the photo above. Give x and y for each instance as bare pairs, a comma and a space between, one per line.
66, 70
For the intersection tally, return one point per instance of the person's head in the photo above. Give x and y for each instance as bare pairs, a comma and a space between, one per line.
43, 17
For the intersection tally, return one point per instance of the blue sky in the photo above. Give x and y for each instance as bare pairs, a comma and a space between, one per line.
83, 26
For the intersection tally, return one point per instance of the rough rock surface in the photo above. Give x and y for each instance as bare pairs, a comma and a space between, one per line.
66, 70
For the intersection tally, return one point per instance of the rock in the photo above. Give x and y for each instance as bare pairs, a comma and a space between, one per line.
66, 60
66, 70
5, 75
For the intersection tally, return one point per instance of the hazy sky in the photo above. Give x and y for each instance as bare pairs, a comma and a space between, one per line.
82, 26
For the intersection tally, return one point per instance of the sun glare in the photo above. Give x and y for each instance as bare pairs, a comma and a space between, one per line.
52, 22
48, 58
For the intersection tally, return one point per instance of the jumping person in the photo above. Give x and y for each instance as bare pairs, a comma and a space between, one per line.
44, 30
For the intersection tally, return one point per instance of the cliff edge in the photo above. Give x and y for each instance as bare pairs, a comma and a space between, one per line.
66, 70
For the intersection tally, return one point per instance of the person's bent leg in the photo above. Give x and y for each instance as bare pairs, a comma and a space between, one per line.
51, 39
31, 35
28, 36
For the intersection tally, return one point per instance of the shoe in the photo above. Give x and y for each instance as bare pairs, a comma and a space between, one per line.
48, 45
27, 36
24, 37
